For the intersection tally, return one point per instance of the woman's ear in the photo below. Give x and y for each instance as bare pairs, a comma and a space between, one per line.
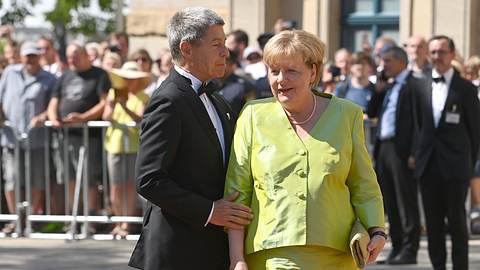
313, 74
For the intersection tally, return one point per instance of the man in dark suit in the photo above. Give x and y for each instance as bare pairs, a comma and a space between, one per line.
185, 137
234, 89
447, 149
396, 109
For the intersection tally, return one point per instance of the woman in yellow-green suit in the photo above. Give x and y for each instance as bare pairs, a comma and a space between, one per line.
299, 161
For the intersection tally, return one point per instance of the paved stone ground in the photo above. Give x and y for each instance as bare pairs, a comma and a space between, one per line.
36, 254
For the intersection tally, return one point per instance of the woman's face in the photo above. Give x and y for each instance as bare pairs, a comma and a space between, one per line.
109, 63
144, 63
133, 85
471, 73
358, 71
291, 81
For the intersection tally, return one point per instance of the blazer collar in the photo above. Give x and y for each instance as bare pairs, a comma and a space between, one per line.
451, 96
195, 83
184, 84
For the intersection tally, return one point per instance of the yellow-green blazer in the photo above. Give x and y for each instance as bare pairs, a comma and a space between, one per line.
303, 192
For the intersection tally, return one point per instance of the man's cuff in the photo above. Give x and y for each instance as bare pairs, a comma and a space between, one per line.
210, 216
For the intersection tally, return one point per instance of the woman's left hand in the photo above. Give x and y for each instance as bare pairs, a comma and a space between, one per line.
239, 265
375, 247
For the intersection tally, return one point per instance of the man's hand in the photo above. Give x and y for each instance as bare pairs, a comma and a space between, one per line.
74, 117
411, 162
229, 214
56, 123
37, 121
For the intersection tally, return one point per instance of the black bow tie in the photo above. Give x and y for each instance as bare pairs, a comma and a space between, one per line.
439, 79
206, 88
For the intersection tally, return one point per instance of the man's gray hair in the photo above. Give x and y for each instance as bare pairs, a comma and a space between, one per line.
190, 24
397, 53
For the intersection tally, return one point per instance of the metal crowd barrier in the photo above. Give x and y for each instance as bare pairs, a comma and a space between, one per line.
24, 216
73, 216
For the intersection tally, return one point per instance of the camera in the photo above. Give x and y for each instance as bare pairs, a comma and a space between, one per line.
382, 76
335, 71
114, 48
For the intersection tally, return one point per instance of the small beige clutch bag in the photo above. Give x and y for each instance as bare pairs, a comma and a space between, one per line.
359, 240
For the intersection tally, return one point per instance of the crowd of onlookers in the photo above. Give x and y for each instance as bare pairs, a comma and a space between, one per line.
105, 80
96, 81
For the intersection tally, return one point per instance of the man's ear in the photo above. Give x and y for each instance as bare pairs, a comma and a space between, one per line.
186, 49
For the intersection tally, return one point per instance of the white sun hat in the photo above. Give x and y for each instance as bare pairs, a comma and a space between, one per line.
129, 71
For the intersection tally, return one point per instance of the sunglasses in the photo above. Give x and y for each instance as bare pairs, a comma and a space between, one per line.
141, 59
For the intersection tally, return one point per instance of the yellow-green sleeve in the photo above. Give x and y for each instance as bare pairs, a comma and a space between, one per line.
365, 194
239, 174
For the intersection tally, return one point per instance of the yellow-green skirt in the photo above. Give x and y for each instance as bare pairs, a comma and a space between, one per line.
300, 257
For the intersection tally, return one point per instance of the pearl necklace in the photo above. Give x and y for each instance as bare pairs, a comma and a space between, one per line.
309, 117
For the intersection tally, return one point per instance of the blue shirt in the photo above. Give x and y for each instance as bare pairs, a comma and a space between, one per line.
22, 97
387, 129
359, 96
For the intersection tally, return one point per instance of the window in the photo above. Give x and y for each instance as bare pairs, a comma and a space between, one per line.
366, 20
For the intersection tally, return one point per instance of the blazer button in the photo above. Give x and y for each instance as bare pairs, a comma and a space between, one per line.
301, 152
302, 173
301, 196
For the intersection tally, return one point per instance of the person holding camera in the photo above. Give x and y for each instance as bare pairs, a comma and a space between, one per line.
125, 104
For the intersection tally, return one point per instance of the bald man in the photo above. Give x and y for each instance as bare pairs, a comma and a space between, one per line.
79, 97
343, 59
417, 51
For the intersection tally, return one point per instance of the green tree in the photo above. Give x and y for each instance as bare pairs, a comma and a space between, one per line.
17, 11
68, 16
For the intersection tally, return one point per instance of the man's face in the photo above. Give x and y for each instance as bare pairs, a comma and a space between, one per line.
12, 54
31, 63
417, 48
359, 70
392, 66
237, 47
122, 44
441, 55
208, 56
232, 44
48, 51
76, 58
342, 60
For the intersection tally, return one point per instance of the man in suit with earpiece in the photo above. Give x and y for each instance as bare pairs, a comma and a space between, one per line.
396, 109
447, 150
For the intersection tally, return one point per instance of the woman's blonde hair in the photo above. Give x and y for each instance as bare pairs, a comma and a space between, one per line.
296, 43
473, 63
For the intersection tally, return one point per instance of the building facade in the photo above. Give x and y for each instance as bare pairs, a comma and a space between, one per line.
339, 23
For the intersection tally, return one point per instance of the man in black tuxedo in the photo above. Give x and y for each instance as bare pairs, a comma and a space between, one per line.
447, 149
396, 108
184, 146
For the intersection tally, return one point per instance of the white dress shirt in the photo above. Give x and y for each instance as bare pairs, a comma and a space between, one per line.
212, 113
440, 93
387, 125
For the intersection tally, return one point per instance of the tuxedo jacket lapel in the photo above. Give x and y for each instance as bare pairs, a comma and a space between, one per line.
227, 118
429, 112
401, 99
199, 111
451, 97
